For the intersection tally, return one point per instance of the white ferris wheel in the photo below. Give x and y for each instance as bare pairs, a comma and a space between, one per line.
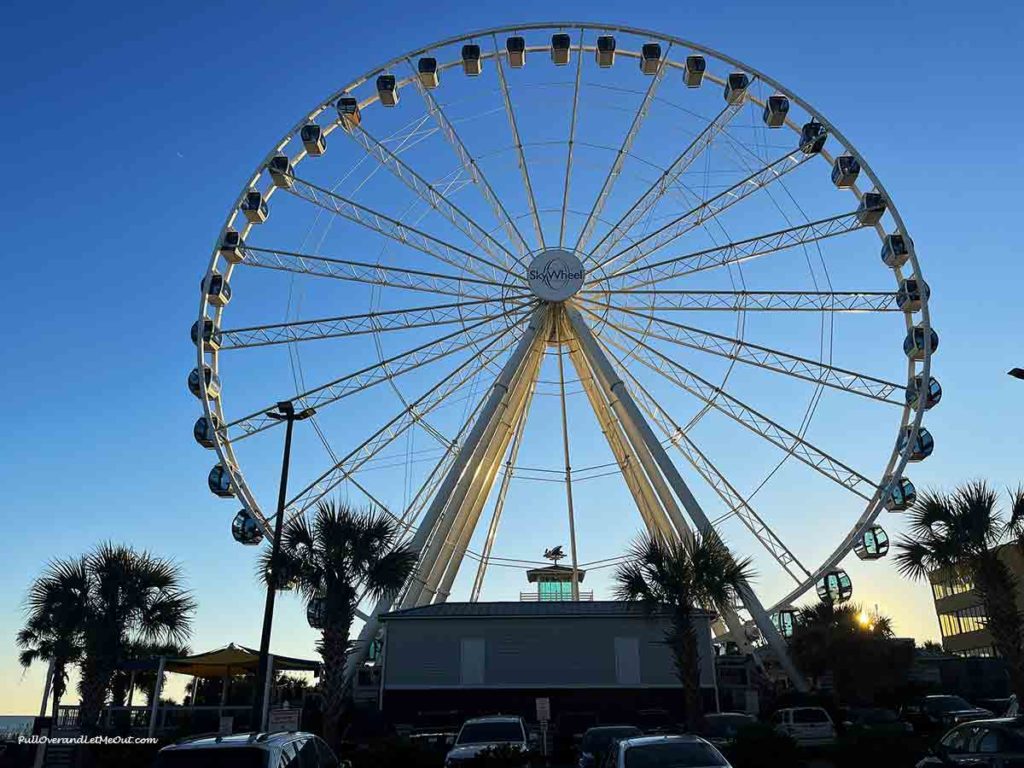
572, 280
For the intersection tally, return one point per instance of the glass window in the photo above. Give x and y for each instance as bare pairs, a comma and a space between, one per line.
484, 733
289, 756
987, 741
599, 739
810, 715
956, 740
678, 754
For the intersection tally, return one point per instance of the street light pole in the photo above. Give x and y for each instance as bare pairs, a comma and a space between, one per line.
285, 412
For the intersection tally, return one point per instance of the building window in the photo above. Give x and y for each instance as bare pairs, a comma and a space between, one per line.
972, 619
471, 661
554, 590
985, 652
947, 587
627, 661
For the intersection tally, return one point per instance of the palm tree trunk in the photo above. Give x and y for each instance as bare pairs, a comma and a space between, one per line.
96, 674
334, 652
684, 649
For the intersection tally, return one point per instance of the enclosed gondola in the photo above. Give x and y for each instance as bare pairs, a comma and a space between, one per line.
912, 294
812, 137
472, 64
845, 170
205, 431
245, 529
916, 343
387, 90
835, 587
348, 112
650, 58
195, 383
918, 443
220, 483
561, 45
210, 338
872, 544
281, 171
785, 622
931, 393
776, 107
313, 139
316, 612
693, 71
254, 207
429, 74
516, 48
899, 494
871, 209
736, 87
896, 250
605, 52
232, 247
217, 289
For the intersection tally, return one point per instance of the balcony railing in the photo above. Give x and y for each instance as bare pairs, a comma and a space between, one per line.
533, 597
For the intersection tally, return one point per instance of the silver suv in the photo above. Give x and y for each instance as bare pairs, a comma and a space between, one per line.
483, 733
292, 749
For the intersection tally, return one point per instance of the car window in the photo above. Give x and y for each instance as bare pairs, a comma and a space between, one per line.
289, 756
677, 754
308, 757
945, 704
598, 739
327, 758
485, 733
956, 740
987, 741
810, 716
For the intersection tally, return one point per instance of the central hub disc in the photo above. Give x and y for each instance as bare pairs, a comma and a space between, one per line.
555, 275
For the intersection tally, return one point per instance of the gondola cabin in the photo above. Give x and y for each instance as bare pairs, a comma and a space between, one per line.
736, 87
900, 494
871, 209
873, 544
516, 48
205, 431
210, 335
912, 294
316, 612
218, 290
281, 171
245, 529
916, 344
835, 587
776, 107
232, 247
845, 170
650, 58
918, 394
220, 483
693, 71
195, 383
313, 139
919, 442
896, 250
785, 622
605, 53
387, 90
472, 64
812, 137
255, 208
348, 112
561, 45
430, 76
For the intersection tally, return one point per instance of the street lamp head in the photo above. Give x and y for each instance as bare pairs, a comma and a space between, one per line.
1017, 373
286, 407
305, 414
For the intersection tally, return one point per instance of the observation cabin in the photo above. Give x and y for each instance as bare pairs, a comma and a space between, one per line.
900, 495
916, 388
812, 137
845, 170
736, 87
281, 171
516, 48
693, 71
776, 107
426, 69
650, 58
232, 247
561, 44
245, 529
216, 288
912, 294
605, 53
835, 587
785, 621
387, 90
313, 139
316, 612
195, 381
896, 250
205, 431
872, 544
254, 207
348, 112
921, 443
915, 346
871, 209
472, 64
210, 336
220, 483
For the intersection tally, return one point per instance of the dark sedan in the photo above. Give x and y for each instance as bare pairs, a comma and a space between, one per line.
940, 712
997, 743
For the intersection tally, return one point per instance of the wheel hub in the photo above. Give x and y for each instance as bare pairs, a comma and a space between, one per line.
555, 275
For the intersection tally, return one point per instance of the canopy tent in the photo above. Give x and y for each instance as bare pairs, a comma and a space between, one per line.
232, 660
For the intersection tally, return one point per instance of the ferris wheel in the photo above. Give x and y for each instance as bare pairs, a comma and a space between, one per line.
626, 277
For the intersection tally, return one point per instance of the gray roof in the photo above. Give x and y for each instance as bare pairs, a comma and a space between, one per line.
531, 609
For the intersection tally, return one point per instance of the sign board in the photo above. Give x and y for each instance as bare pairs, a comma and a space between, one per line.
281, 719
544, 710
227, 725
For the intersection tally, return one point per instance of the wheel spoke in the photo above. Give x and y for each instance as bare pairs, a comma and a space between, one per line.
370, 322
369, 273
520, 156
646, 202
620, 158
737, 252
664, 300
760, 356
568, 464
572, 142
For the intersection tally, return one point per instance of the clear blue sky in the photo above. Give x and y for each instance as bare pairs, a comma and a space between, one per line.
129, 130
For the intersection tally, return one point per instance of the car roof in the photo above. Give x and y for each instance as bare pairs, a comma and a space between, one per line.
643, 741
619, 726
495, 719
235, 740
1003, 722
711, 715
796, 709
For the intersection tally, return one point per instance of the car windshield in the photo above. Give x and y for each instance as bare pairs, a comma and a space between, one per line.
673, 754
810, 716
486, 733
946, 704
220, 757
597, 740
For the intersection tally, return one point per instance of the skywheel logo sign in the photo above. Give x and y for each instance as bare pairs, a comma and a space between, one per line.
555, 275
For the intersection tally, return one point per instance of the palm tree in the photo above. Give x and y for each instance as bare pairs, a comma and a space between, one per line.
145, 680
342, 554
684, 576
960, 533
52, 631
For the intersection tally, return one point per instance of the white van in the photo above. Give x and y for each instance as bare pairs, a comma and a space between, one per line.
806, 725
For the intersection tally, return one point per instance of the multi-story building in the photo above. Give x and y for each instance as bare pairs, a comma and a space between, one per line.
960, 611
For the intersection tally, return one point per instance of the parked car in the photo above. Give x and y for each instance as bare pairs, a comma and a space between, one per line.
482, 733
998, 743
873, 719
292, 749
805, 725
671, 751
720, 728
942, 711
597, 740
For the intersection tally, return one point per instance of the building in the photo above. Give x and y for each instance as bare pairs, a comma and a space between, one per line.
960, 611
595, 661
554, 582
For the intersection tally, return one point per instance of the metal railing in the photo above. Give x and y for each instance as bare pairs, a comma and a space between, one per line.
533, 597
